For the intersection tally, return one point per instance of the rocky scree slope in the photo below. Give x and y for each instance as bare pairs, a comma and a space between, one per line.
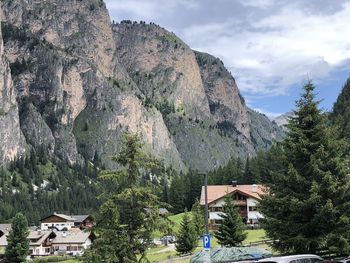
75, 83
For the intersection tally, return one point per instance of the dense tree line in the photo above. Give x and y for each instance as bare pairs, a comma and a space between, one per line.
37, 186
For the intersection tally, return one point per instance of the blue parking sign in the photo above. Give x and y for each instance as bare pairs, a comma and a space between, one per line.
206, 241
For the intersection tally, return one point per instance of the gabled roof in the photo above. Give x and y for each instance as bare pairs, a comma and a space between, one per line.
216, 192
37, 237
5, 228
79, 218
71, 237
65, 217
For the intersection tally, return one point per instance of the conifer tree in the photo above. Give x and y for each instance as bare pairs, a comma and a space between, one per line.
231, 232
198, 218
134, 206
187, 238
18, 244
307, 206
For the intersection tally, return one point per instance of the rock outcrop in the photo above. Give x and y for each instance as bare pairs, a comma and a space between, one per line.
12, 142
74, 83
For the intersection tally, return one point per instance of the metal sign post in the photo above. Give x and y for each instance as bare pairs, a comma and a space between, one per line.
206, 237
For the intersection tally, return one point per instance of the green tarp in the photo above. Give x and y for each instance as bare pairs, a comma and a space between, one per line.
232, 254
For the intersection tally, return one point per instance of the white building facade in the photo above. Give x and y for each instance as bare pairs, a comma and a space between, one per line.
245, 197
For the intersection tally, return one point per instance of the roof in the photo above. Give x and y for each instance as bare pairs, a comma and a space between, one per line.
216, 192
68, 218
4, 228
37, 237
79, 218
71, 237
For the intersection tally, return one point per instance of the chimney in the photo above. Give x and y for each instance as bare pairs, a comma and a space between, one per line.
254, 188
234, 183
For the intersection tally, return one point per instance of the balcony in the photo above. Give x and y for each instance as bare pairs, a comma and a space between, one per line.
240, 202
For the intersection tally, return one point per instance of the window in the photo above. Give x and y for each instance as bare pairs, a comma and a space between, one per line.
252, 208
218, 221
47, 250
238, 196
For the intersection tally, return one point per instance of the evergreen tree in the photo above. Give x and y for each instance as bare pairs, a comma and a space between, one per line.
187, 238
130, 197
177, 195
18, 244
231, 232
307, 206
341, 111
111, 244
198, 218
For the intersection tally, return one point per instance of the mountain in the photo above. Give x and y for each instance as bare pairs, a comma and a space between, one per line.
282, 120
72, 83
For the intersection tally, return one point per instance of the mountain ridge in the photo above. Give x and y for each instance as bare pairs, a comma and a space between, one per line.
81, 82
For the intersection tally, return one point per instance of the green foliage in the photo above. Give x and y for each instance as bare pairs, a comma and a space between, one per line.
307, 207
231, 232
130, 207
257, 169
187, 238
111, 244
341, 111
68, 189
198, 218
63, 259
184, 190
18, 244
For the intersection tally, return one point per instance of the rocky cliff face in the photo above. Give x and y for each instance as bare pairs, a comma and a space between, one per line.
12, 141
80, 82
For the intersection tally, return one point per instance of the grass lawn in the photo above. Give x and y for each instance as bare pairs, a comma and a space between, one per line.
255, 235
177, 221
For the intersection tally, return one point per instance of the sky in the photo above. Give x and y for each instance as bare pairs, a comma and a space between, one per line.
271, 47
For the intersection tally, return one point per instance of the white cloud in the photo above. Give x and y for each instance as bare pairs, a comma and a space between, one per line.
257, 3
148, 10
267, 56
269, 114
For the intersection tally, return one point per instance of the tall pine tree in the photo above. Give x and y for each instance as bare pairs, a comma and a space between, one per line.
231, 232
198, 218
187, 238
18, 244
307, 206
132, 204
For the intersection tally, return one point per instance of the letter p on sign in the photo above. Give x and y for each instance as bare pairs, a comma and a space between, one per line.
206, 241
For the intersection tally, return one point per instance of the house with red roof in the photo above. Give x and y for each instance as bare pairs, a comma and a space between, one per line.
245, 197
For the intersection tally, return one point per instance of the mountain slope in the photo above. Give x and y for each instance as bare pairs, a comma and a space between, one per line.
12, 141
81, 82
